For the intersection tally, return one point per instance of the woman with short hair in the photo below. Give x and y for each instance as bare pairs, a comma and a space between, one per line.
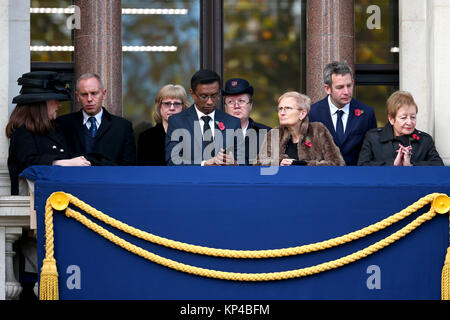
170, 99
299, 142
399, 143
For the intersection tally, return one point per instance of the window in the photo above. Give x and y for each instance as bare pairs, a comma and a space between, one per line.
172, 37
376, 56
51, 40
264, 43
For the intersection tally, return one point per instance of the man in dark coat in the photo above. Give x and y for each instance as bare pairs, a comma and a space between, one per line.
103, 138
346, 118
238, 94
202, 134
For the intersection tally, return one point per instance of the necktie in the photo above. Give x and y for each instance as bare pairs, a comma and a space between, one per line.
206, 128
339, 127
207, 134
93, 128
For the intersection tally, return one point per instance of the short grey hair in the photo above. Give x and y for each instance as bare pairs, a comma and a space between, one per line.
336, 67
89, 75
302, 101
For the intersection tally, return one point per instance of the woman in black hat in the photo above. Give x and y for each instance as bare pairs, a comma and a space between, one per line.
33, 137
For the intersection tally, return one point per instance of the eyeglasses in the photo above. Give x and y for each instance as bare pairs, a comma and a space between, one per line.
167, 104
240, 102
286, 109
205, 97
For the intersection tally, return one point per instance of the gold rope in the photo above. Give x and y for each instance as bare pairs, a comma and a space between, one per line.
61, 200
253, 254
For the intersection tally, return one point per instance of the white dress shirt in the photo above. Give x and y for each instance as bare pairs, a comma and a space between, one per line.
98, 119
201, 122
333, 112
211, 122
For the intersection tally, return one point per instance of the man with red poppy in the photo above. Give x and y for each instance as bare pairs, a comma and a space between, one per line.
346, 118
202, 134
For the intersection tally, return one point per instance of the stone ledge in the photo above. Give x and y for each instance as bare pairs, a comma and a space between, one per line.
14, 211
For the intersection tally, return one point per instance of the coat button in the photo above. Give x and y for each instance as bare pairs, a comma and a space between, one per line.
61, 150
54, 147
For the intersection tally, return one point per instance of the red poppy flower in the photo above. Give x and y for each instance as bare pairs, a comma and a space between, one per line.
308, 142
358, 112
220, 125
415, 136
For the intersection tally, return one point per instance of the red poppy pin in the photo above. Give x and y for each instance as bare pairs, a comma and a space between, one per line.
414, 137
308, 142
358, 112
220, 125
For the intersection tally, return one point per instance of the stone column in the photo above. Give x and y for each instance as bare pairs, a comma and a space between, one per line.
98, 47
12, 286
330, 37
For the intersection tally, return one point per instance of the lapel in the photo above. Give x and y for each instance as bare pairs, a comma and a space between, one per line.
104, 126
326, 117
79, 129
219, 144
350, 120
193, 126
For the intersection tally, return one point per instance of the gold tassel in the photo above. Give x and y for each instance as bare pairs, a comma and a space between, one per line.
445, 287
48, 286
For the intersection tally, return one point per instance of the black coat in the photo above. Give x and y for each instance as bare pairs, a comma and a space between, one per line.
27, 148
151, 149
114, 142
380, 145
254, 140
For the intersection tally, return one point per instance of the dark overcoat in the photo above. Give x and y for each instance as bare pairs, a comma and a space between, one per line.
27, 148
114, 142
380, 148
361, 119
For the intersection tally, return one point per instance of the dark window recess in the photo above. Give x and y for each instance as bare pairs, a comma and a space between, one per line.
377, 74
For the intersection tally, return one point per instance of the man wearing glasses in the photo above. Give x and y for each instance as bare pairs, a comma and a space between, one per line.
202, 134
238, 94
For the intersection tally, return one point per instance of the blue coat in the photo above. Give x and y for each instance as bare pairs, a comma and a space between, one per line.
188, 141
356, 128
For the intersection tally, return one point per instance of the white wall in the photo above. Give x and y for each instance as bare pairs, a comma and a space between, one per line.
15, 60
425, 65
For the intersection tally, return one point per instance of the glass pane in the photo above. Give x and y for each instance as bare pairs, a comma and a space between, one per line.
50, 29
376, 97
264, 42
145, 72
376, 31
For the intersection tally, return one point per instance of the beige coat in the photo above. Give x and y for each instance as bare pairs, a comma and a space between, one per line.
319, 151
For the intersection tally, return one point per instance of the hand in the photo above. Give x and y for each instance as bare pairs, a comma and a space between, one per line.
74, 162
399, 158
222, 159
286, 162
407, 156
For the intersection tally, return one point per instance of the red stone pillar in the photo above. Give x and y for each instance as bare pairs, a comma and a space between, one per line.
330, 37
98, 47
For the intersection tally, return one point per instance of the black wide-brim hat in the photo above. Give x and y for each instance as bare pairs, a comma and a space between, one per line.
40, 86
237, 86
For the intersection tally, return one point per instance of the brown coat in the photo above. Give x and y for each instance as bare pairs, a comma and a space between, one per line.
321, 152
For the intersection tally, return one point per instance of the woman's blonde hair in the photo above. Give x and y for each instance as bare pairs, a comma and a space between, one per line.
302, 101
397, 100
169, 91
